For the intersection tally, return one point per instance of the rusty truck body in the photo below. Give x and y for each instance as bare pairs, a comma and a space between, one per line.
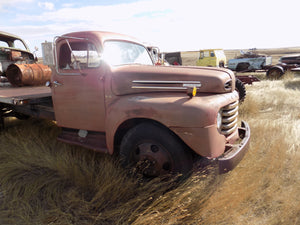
107, 95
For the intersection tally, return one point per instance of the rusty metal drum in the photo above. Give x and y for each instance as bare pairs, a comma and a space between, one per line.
28, 74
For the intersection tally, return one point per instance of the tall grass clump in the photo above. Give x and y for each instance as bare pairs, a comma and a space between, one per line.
47, 182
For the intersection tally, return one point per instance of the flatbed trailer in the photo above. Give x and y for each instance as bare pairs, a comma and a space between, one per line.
21, 102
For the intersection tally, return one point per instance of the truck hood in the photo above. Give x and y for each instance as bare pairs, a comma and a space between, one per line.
132, 79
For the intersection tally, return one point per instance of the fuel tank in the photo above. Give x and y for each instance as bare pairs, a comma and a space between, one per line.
28, 74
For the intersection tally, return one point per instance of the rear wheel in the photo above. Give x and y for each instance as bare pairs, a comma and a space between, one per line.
275, 73
153, 150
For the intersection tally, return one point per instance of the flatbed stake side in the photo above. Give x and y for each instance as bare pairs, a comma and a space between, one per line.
107, 94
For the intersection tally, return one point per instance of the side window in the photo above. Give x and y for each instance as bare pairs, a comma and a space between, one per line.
212, 54
78, 56
93, 56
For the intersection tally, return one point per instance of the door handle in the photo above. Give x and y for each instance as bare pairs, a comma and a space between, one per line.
53, 84
56, 83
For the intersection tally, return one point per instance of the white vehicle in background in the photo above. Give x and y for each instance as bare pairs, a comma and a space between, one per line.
249, 61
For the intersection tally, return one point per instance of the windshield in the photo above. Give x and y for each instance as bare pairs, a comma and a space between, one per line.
121, 53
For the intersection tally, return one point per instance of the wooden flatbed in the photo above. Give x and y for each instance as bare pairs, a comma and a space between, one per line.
20, 95
25, 101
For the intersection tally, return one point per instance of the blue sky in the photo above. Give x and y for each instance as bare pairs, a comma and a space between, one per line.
169, 24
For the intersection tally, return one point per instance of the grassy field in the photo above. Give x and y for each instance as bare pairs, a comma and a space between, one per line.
43, 181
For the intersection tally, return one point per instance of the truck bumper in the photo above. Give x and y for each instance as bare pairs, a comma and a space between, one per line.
235, 152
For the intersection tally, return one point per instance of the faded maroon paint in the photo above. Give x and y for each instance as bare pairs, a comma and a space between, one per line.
192, 119
79, 100
212, 79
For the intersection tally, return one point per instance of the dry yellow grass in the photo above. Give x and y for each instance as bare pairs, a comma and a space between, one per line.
264, 188
47, 182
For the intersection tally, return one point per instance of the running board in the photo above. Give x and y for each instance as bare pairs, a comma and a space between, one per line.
87, 139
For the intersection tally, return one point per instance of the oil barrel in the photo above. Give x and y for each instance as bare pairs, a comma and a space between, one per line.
28, 74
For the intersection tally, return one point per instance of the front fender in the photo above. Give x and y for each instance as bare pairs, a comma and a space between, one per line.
174, 111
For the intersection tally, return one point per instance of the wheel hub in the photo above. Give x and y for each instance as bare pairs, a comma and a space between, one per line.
152, 160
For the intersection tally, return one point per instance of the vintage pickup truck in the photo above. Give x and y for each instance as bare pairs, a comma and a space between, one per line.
107, 95
250, 61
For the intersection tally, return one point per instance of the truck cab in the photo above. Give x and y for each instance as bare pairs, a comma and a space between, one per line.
211, 57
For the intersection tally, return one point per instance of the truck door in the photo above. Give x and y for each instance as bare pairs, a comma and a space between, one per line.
77, 86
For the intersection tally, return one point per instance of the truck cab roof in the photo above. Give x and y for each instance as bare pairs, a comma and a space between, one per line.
101, 35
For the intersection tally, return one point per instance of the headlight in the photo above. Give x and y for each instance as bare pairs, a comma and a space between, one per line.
219, 120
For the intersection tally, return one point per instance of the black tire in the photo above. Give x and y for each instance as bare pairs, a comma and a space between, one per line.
152, 150
275, 73
241, 89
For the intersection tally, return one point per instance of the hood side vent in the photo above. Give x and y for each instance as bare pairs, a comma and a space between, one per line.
228, 85
165, 85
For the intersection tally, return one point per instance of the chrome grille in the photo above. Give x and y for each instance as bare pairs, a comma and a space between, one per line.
230, 118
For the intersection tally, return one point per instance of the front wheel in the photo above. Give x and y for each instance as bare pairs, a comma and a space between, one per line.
241, 89
153, 150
